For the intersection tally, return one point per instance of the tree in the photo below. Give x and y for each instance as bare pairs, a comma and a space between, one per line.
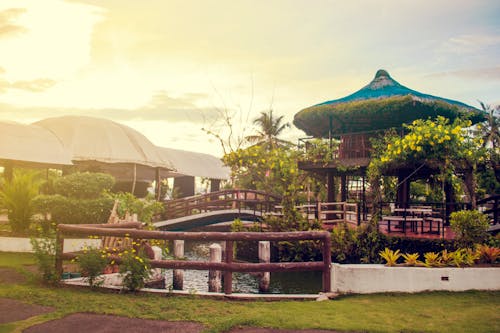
490, 130
269, 130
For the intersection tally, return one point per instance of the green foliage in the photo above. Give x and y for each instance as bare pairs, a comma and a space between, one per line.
80, 198
83, 185
135, 269
44, 248
470, 227
318, 150
146, 209
92, 263
17, 197
74, 211
437, 144
357, 245
273, 170
391, 257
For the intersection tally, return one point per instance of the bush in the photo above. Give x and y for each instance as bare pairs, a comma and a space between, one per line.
74, 211
146, 209
135, 269
470, 227
17, 197
79, 199
44, 247
92, 263
83, 185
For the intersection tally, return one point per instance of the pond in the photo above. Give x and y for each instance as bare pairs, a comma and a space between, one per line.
281, 282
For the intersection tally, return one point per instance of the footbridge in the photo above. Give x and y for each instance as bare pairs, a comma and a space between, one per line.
216, 207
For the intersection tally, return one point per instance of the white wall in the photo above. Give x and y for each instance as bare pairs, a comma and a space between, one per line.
16, 244
364, 279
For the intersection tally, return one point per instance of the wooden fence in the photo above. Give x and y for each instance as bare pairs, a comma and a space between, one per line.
132, 230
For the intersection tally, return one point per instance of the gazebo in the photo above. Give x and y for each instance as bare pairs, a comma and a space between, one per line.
381, 105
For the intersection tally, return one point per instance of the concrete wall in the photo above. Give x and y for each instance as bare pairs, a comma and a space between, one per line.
16, 244
365, 279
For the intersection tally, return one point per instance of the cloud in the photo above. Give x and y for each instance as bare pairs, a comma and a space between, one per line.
161, 107
489, 73
7, 27
36, 85
470, 43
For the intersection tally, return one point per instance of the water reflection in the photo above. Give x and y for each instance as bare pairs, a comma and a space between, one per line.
281, 282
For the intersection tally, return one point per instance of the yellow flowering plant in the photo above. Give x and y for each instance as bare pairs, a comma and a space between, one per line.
135, 269
439, 144
92, 263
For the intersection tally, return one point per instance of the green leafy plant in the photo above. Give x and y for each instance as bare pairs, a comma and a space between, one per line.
92, 263
44, 248
411, 259
432, 259
17, 197
79, 199
135, 269
391, 257
470, 227
146, 208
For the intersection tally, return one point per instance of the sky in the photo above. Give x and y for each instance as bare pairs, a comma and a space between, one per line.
170, 69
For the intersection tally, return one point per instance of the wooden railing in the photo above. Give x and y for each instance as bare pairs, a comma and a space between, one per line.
332, 213
132, 230
256, 201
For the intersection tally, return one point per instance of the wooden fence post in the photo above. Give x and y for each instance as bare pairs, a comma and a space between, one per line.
214, 277
59, 252
327, 262
265, 257
228, 275
178, 279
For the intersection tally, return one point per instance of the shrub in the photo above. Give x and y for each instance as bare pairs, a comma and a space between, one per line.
44, 248
146, 209
135, 269
17, 197
79, 199
92, 263
470, 227
74, 211
83, 185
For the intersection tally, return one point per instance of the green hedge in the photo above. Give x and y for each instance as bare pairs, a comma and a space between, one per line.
74, 211
83, 185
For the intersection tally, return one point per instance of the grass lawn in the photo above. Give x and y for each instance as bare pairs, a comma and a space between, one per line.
427, 312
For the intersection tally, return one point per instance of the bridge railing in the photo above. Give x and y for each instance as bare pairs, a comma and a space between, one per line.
228, 266
257, 201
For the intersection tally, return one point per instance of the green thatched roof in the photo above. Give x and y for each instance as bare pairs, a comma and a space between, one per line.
382, 104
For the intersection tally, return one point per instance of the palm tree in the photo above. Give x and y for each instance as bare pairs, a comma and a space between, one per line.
491, 129
269, 130
490, 133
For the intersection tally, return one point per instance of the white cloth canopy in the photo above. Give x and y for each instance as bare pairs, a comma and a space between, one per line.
188, 163
102, 140
31, 145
